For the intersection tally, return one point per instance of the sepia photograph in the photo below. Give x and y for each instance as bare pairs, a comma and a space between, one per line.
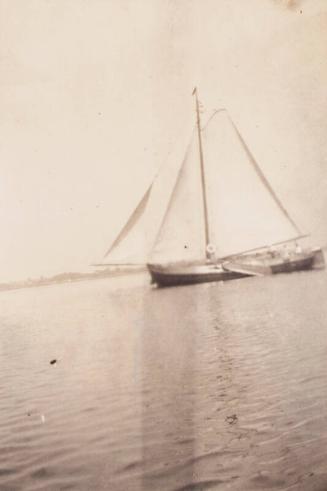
163, 208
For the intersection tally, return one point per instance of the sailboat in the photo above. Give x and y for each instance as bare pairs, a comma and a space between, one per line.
219, 219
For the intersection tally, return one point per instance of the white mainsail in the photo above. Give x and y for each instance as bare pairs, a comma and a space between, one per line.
243, 213
181, 235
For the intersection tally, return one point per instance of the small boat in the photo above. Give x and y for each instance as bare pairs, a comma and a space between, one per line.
262, 266
219, 220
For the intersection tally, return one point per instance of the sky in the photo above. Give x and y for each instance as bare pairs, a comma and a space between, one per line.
95, 95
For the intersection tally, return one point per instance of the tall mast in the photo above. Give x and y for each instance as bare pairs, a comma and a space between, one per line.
203, 181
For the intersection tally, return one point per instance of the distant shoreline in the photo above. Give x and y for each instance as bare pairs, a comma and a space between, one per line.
68, 278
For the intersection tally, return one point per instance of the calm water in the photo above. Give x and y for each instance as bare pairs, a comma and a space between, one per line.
215, 386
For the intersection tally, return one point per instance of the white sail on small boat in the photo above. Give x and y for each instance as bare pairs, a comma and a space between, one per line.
215, 217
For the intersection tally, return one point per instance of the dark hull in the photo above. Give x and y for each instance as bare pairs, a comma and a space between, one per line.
295, 265
165, 276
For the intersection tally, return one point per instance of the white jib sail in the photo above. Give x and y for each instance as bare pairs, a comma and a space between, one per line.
130, 245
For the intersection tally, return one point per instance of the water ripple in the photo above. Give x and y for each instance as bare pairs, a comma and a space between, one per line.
205, 387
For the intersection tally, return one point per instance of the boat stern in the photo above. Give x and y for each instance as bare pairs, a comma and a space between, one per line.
319, 258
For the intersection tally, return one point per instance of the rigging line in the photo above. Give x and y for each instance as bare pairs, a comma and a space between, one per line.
216, 111
263, 177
